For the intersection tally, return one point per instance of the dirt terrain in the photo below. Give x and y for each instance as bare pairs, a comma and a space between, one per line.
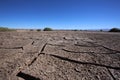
59, 55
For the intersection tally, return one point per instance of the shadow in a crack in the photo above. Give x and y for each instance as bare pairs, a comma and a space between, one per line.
26, 76
79, 62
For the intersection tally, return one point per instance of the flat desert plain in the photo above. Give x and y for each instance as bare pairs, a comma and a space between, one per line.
59, 55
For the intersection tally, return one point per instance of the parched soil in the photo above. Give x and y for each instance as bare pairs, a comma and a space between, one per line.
59, 55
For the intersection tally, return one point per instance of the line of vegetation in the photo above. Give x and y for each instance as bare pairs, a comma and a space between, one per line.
114, 30
3, 29
45, 29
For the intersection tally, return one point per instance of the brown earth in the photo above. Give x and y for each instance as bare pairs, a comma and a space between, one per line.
59, 55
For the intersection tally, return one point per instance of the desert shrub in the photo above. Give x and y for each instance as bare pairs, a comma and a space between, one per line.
38, 29
47, 29
5, 29
114, 30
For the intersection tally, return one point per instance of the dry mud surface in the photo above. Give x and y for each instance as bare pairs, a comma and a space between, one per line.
59, 55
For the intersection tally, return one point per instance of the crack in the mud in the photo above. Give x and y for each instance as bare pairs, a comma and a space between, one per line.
85, 45
37, 55
111, 74
91, 44
79, 62
89, 52
32, 61
75, 51
43, 48
109, 48
26, 76
55, 45
12, 48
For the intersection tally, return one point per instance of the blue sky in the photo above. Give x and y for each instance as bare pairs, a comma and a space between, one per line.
60, 14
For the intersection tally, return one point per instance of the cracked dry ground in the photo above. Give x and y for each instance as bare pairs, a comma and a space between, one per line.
59, 55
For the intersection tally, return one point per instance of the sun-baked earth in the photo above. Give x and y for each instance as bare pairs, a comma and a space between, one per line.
59, 55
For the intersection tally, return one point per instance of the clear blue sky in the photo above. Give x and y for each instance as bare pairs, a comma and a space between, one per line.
60, 14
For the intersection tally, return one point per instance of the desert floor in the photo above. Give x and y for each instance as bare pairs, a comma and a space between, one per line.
59, 55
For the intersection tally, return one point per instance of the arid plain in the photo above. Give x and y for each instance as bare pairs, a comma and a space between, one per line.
59, 55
